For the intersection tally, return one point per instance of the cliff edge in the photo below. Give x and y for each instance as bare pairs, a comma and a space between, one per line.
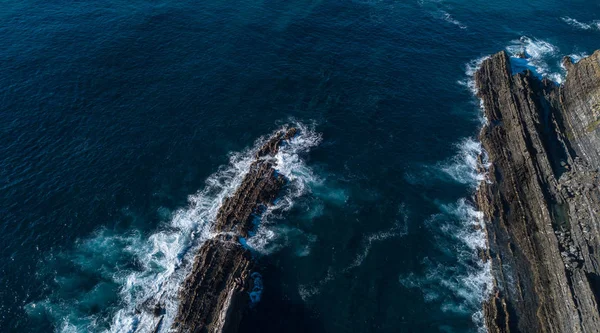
541, 200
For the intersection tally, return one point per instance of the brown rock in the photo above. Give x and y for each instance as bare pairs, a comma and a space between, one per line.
534, 125
213, 298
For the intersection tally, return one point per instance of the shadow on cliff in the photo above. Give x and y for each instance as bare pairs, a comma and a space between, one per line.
278, 311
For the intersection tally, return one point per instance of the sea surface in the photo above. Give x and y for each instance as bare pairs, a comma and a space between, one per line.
124, 124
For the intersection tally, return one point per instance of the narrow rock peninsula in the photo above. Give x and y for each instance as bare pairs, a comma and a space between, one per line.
214, 296
541, 201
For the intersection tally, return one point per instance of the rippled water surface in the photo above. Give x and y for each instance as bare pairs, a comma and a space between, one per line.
123, 124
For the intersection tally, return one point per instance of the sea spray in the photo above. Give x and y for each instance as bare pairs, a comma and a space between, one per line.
136, 273
528, 53
470, 69
168, 254
459, 232
270, 237
273, 234
464, 167
575, 57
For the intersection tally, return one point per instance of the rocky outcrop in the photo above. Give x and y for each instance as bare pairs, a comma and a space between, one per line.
258, 189
214, 296
541, 201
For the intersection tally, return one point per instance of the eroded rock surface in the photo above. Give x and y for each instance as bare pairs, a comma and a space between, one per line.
542, 200
214, 296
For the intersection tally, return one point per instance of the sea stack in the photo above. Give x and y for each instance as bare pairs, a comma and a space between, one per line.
215, 295
541, 200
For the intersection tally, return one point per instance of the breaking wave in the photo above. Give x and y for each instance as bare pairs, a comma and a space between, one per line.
459, 233
535, 55
578, 56
470, 69
270, 237
123, 276
468, 278
465, 167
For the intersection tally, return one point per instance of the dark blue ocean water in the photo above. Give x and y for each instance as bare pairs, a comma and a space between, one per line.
124, 123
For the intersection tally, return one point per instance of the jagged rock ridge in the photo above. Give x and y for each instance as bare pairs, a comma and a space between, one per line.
214, 296
541, 201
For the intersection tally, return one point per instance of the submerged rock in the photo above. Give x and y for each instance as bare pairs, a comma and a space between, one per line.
215, 295
543, 143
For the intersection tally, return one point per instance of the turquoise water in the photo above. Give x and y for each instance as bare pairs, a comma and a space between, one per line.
123, 125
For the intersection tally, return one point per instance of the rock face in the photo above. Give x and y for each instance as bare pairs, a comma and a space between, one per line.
542, 201
214, 296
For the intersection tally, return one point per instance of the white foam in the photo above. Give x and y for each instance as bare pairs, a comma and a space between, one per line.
460, 228
269, 237
164, 259
398, 229
292, 166
468, 278
472, 277
167, 254
537, 53
308, 291
534, 48
470, 68
434, 5
469, 231
448, 18
581, 25
573, 22
465, 167
576, 57
197, 222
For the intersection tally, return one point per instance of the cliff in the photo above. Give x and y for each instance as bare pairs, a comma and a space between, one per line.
215, 295
541, 201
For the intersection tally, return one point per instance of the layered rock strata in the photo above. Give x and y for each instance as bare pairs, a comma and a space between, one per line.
542, 199
214, 296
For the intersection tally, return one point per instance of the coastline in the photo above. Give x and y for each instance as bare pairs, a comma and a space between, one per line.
543, 146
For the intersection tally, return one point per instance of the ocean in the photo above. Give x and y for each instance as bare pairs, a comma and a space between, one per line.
124, 124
